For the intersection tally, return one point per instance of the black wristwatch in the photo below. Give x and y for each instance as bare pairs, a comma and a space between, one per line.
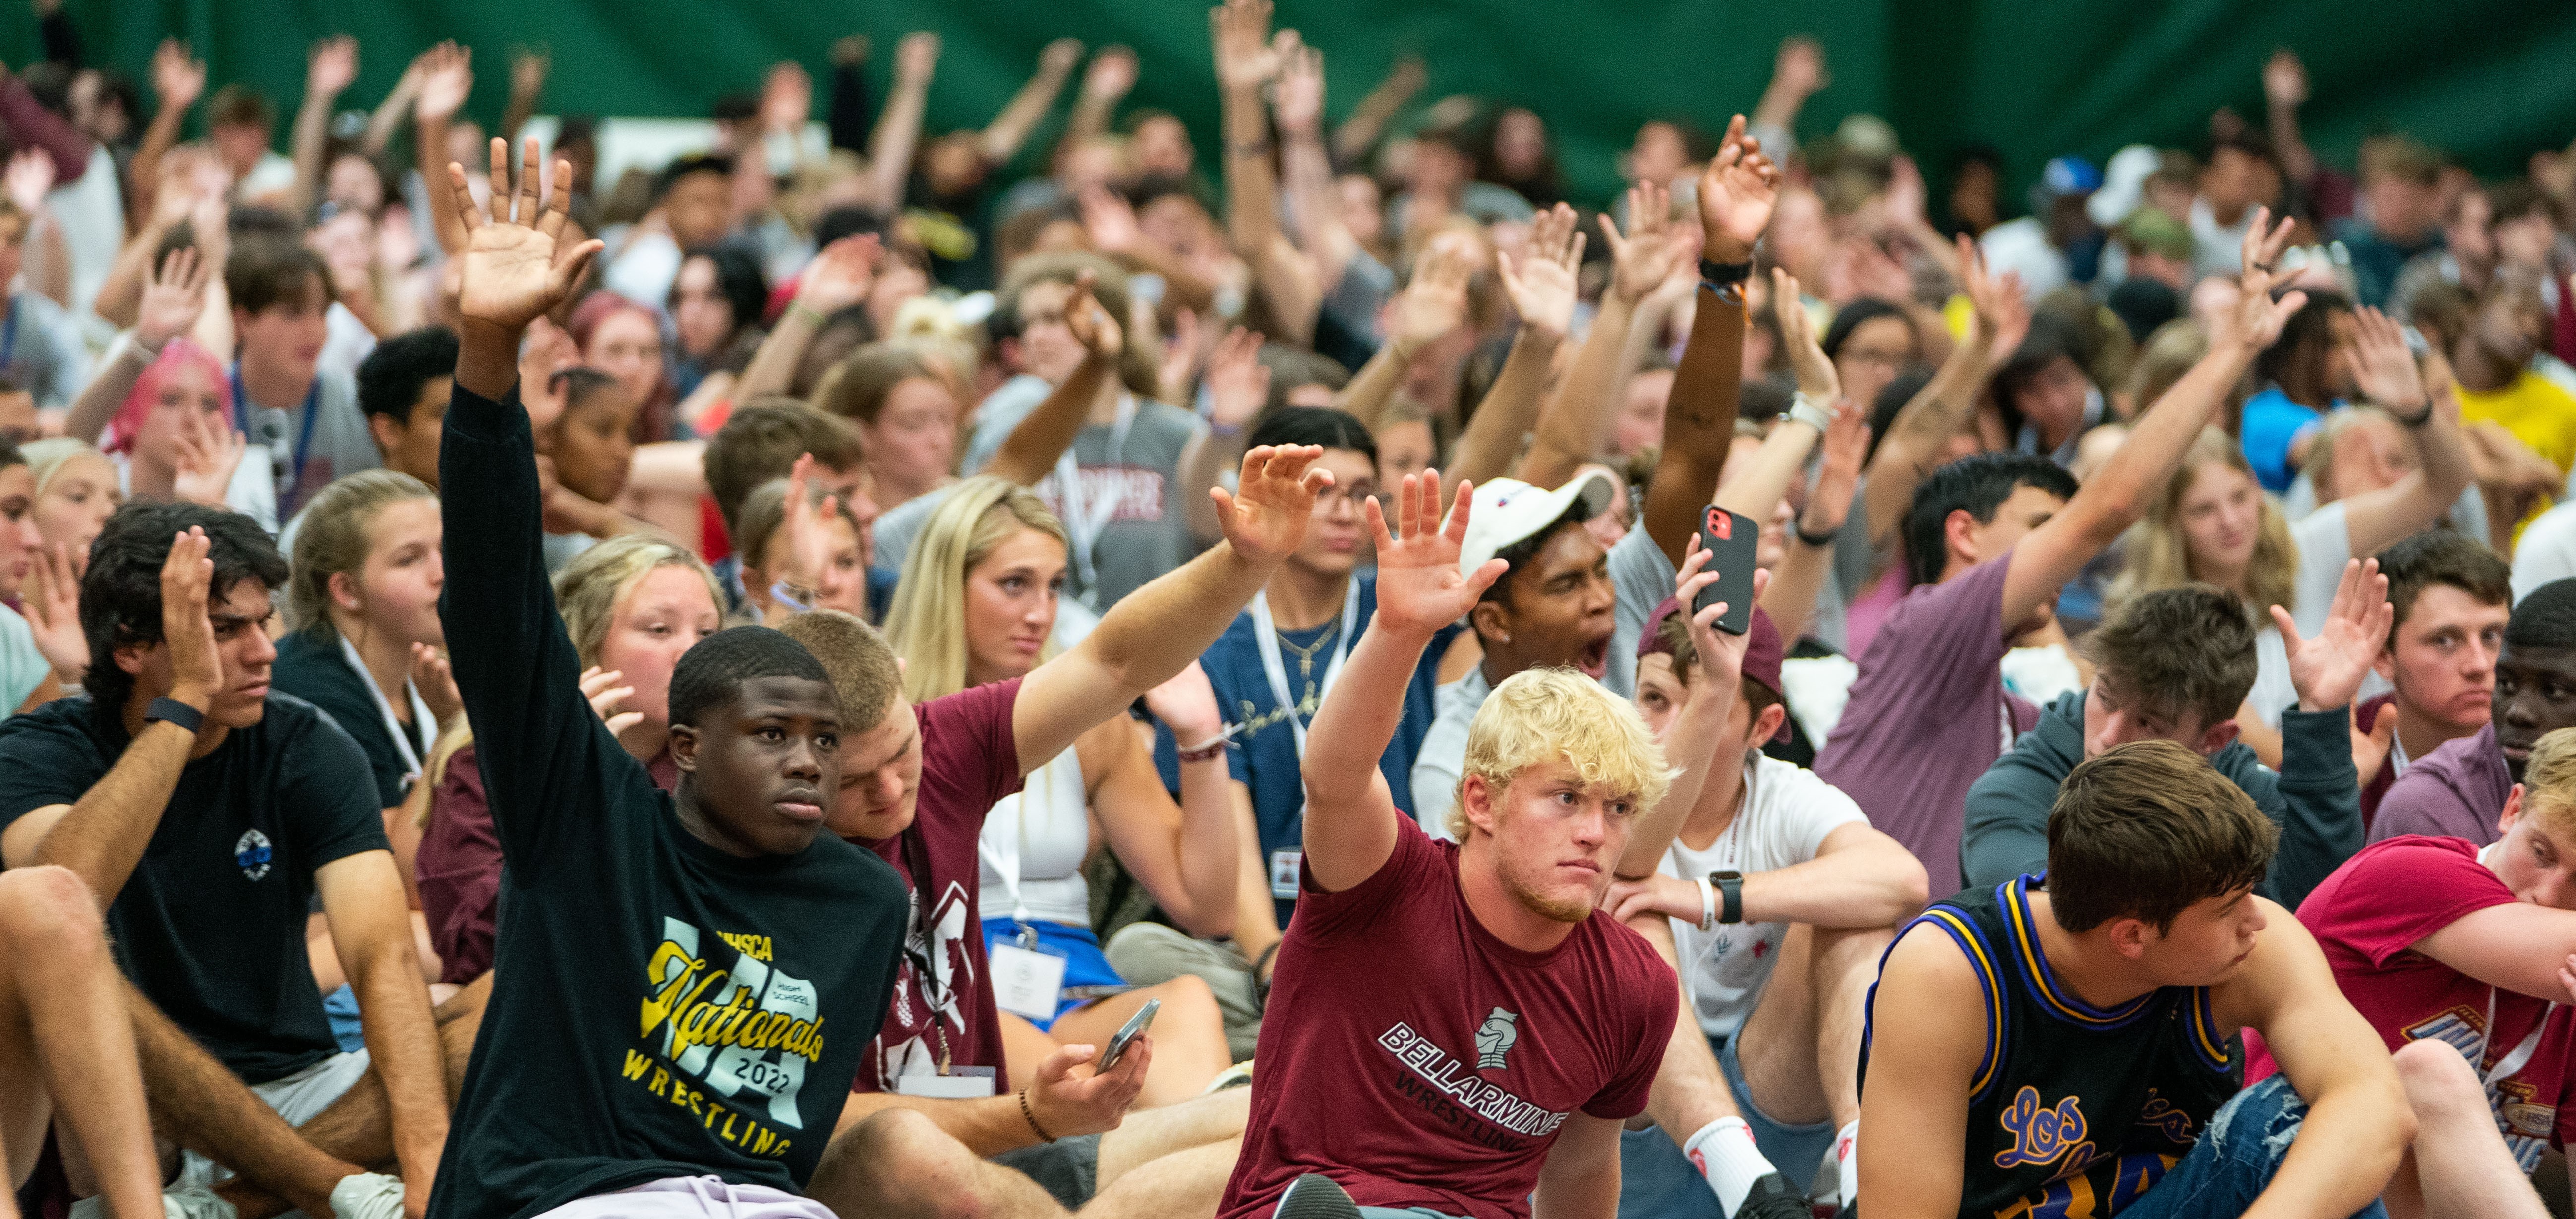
172, 711
1818, 540
1730, 892
1721, 274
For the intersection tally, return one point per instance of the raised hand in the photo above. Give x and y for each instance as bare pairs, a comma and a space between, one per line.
52, 605
1435, 303
1178, 372
1642, 258
29, 177
2328, 669
1905, 192
1111, 75
513, 268
1817, 378
1541, 281
851, 50
2383, 367
196, 670
529, 67
1419, 586
1240, 30
602, 689
1057, 58
2370, 744
1298, 99
1800, 66
1110, 220
1736, 195
916, 56
1265, 516
1846, 443
435, 678
2002, 308
786, 97
544, 351
1238, 382
446, 76
179, 79
842, 275
1187, 705
331, 67
2285, 79
2257, 319
809, 545
1721, 655
1092, 326
209, 455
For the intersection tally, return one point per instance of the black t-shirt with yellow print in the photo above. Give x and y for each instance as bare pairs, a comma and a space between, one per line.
659, 1008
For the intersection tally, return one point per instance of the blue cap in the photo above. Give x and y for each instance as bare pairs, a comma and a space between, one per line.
2071, 176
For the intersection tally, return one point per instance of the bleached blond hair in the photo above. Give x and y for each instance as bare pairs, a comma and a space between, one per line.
1539, 715
2549, 780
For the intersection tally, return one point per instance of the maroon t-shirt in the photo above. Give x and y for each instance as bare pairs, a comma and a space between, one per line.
459, 864
1432, 1063
2363, 715
1928, 714
969, 759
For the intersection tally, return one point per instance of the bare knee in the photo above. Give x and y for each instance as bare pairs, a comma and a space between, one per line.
48, 908
2438, 1080
909, 1165
1189, 997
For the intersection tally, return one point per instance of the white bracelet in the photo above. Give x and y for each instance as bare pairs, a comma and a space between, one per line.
1707, 905
1804, 410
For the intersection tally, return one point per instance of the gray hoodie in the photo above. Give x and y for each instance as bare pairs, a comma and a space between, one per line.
2315, 799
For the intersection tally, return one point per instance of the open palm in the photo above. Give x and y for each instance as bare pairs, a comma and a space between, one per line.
513, 268
1419, 586
2327, 669
1265, 517
1737, 193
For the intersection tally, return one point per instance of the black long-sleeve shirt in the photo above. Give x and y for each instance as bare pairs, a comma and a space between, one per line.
755, 983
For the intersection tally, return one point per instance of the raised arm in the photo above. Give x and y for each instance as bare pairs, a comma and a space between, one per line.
1541, 286
2049, 556
389, 114
515, 668
846, 112
446, 76
2285, 89
1104, 84
177, 80
1037, 441
2389, 378
1154, 632
529, 67
1921, 431
1350, 814
1735, 200
102, 835
1245, 63
1757, 489
329, 68
1568, 432
1791, 601
2359, 1122
1184, 853
1314, 212
1694, 743
1003, 136
2319, 784
838, 278
1360, 129
1431, 306
172, 300
1796, 74
898, 129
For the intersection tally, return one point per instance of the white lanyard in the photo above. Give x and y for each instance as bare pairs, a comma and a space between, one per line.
1005, 859
2521, 1056
1085, 521
1267, 635
411, 752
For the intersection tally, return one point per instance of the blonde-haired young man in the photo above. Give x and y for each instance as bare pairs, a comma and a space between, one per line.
2440, 939
1459, 1026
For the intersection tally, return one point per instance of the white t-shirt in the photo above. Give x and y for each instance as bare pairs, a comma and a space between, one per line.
2547, 550
1783, 819
2324, 542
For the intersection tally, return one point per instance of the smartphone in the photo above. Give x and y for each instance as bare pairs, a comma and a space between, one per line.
1731, 539
1130, 1031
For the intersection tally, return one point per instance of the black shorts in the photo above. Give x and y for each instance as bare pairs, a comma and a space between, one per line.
1068, 1168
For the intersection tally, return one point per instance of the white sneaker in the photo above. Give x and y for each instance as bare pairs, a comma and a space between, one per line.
368, 1195
190, 1203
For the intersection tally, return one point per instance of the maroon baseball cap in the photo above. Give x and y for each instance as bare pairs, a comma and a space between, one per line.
1763, 651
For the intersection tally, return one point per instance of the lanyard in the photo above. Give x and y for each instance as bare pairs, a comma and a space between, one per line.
288, 479
9, 333
1084, 521
1003, 856
2520, 1056
412, 752
1267, 635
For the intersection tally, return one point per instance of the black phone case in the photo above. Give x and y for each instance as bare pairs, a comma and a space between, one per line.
1731, 539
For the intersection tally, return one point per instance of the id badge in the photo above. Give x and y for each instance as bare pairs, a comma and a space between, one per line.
963, 1083
1027, 981
1283, 873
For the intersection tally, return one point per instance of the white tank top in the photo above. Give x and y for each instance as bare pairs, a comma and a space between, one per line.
1044, 833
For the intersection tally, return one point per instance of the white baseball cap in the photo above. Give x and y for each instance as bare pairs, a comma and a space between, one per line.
1508, 511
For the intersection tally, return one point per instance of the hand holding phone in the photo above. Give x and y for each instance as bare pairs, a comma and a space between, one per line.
1731, 539
1128, 1032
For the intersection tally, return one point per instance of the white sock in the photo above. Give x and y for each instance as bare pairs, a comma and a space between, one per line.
1724, 1152
1847, 1162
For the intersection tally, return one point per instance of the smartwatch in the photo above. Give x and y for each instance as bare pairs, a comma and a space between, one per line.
172, 711
1721, 274
1730, 891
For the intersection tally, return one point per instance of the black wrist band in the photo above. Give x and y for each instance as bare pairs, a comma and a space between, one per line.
1730, 891
172, 711
1827, 539
2421, 418
1720, 274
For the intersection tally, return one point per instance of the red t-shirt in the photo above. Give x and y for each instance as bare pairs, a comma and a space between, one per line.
2369, 913
1433, 1064
969, 759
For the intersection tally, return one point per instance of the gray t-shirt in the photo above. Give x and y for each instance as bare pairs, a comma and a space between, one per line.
41, 350
340, 444
1642, 577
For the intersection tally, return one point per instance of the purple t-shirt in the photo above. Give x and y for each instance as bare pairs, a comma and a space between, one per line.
1928, 714
2456, 791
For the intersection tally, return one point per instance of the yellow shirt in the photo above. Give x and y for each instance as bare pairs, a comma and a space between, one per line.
2538, 413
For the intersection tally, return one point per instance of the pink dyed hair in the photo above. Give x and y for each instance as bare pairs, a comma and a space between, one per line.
139, 401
